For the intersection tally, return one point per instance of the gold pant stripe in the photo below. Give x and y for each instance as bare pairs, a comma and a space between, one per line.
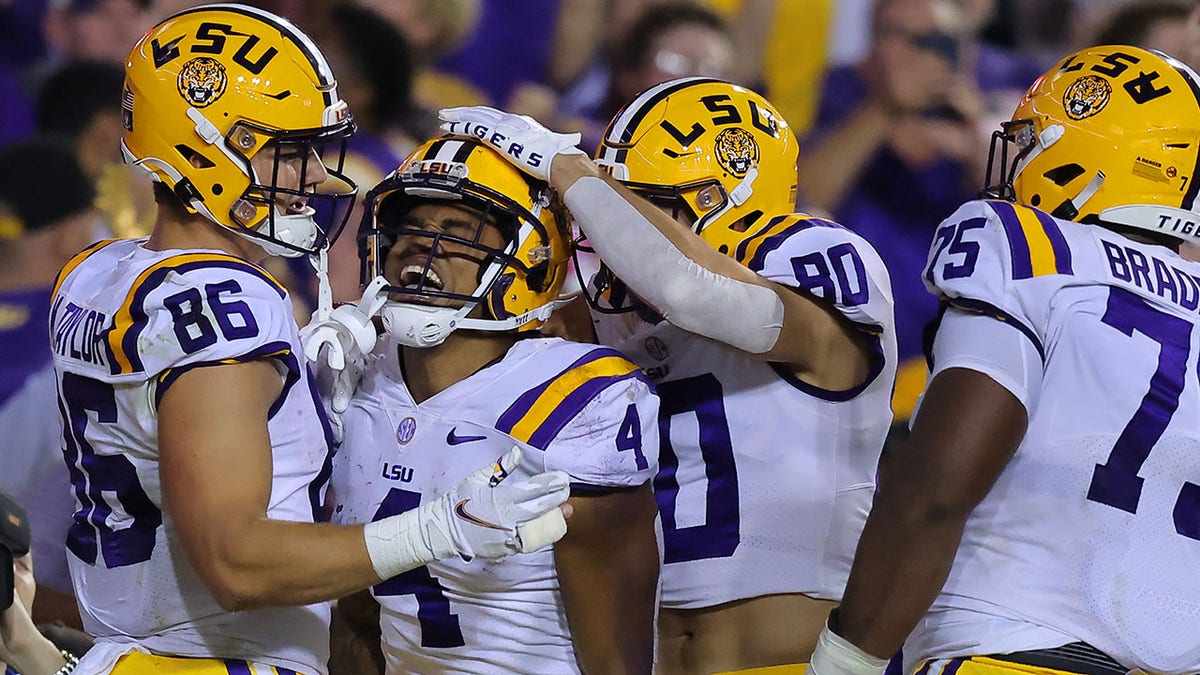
141, 663
982, 665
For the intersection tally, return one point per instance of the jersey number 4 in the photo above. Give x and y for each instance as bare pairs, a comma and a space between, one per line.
1116, 482
439, 627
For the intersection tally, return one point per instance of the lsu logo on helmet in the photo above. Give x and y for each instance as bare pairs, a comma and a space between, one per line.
1086, 96
737, 151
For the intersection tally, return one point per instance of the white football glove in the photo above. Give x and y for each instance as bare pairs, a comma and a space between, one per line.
482, 517
345, 336
530, 146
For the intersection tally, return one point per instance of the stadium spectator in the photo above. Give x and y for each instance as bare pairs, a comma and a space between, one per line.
897, 146
81, 102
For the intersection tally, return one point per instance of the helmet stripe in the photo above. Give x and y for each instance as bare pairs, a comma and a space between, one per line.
621, 129
1190, 76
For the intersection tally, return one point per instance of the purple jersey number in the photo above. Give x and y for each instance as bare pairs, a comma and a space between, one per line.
439, 627
964, 253
1116, 482
719, 536
192, 327
95, 476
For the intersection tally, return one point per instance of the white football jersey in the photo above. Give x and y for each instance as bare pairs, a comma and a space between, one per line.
765, 481
1092, 532
125, 322
581, 409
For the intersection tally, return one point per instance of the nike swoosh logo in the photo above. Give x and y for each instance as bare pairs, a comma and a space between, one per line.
460, 510
455, 440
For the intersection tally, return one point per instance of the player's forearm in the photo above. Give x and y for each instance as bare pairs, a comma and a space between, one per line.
280, 563
612, 632
678, 274
902, 562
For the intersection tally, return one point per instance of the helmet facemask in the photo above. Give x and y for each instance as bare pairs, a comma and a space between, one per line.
299, 197
518, 266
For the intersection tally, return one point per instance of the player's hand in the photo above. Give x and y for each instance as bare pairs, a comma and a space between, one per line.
490, 516
338, 344
530, 146
21, 644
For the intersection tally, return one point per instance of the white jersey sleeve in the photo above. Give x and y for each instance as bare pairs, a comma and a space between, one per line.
826, 260
213, 309
996, 258
596, 420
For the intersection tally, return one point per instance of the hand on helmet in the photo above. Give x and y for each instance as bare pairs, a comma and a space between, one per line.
345, 336
530, 146
485, 516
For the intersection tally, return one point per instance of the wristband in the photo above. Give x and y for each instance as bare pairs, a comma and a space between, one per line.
835, 655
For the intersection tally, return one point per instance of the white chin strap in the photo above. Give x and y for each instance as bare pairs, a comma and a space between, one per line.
296, 229
423, 326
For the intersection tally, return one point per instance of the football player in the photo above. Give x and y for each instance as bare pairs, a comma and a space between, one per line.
474, 254
1045, 516
769, 337
196, 446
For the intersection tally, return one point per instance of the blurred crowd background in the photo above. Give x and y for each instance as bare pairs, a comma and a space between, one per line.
894, 102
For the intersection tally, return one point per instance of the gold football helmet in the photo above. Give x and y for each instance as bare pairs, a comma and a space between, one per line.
1109, 135
518, 285
720, 149
208, 89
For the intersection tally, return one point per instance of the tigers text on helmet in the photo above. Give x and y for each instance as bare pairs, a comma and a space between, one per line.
517, 284
1109, 135
208, 89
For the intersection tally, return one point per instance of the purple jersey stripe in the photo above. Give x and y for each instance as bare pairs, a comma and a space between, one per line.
952, 667
1022, 263
156, 278
775, 241
1062, 252
574, 403
740, 251
510, 417
280, 350
238, 667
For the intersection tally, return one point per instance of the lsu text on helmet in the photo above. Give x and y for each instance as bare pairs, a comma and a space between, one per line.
211, 87
720, 149
517, 285
1109, 135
